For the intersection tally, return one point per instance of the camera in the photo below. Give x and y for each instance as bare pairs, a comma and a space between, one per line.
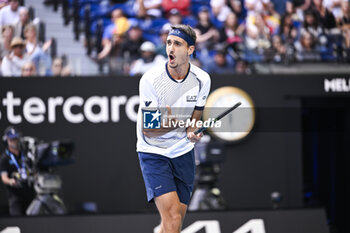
207, 196
43, 157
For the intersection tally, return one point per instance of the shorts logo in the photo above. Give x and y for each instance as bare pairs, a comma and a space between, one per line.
191, 98
151, 119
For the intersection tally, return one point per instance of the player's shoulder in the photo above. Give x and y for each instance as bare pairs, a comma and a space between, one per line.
153, 73
200, 74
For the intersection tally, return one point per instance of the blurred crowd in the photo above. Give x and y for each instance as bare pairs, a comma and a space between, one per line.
21, 52
231, 34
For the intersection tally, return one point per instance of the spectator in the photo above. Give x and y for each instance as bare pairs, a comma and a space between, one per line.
207, 34
242, 67
231, 33
257, 33
3, 3
28, 69
287, 30
148, 8
12, 64
334, 6
300, 6
277, 53
174, 17
257, 6
66, 71
23, 21
182, 6
345, 15
311, 24
113, 34
297, 16
111, 28
344, 26
36, 53
324, 17
125, 50
161, 48
57, 66
148, 59
236, 7
5, 42
9, 15
132, 44
220, 9
306, 48
221, 64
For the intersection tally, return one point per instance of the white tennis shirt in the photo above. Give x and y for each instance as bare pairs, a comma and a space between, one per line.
157, 89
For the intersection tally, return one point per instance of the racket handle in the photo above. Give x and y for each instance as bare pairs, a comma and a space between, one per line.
200, 130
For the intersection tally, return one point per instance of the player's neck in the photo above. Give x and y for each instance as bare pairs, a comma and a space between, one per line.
179, 72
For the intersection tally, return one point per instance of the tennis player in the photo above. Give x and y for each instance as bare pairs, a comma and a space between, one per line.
177, 86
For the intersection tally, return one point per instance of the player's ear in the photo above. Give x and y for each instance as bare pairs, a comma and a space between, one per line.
190, 50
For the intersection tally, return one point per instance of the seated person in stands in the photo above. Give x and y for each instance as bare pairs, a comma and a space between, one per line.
344, 26
231, 34
131, 46
220, 9
3, 3
221, 63
182, 6
148, 8
7, 33
242, 67
37, 53
311, 24
277, 53
119, 26
9, 15
59, 69
257, 33
125, 47
12, 63
174, 17
24, 20
236, 7
288, 30
57, 66
148, 59
28, 69
306, 48
161, 48
324, 16
207, 34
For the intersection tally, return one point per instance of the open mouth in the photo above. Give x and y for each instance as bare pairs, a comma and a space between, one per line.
171, 57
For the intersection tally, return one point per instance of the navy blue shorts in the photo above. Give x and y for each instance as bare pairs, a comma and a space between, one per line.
163, 175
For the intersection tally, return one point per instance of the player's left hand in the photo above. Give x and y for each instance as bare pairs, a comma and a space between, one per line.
194, 137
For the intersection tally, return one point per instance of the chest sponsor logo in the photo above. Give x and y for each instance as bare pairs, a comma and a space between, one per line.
191, 98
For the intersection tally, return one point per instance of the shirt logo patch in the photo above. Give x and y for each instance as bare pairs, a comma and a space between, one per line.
147, 103
191, 98
151, 119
